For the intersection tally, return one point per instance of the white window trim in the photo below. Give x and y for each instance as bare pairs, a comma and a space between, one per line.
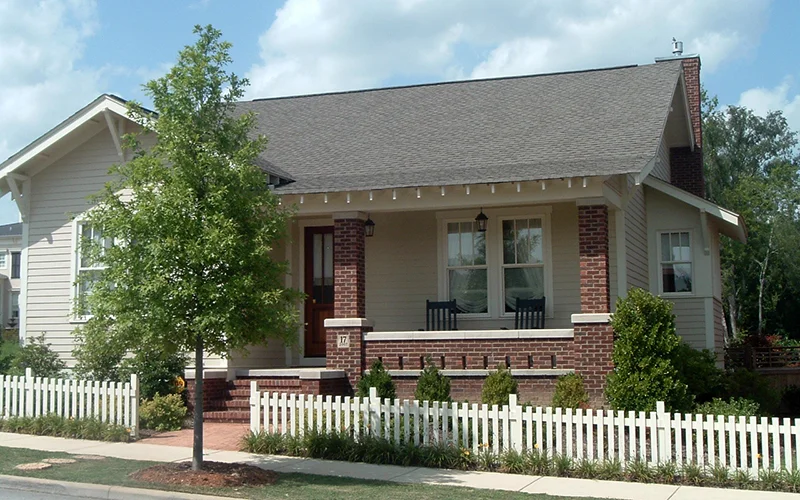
76, 229
5, 263
494, 255
659, 262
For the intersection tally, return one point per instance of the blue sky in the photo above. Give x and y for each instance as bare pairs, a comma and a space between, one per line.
57, 55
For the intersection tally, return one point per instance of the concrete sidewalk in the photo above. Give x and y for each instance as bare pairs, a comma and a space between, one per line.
471, 479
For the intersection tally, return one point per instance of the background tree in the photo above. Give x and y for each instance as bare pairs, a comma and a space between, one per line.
752, 167
188, 227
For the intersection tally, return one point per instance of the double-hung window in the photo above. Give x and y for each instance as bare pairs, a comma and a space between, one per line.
676, 262
88, 262
467, 271
3, 259
16, 260
523, 261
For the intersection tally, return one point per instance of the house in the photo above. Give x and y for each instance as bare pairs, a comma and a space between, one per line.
591, 183
10, 264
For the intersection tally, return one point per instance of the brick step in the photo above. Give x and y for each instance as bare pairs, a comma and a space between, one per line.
230, 404
228, 416
245, 383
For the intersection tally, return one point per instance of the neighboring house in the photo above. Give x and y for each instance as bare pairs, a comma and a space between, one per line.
591, 182
10, 271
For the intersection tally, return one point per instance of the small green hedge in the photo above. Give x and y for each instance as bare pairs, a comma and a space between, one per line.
344, 446
163, 413
58, 426
498, 386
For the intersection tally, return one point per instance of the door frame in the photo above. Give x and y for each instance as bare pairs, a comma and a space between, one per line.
302, 224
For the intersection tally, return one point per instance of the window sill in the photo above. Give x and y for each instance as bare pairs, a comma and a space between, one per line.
668, 295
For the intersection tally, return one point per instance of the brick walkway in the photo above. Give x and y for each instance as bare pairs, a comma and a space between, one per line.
216, 436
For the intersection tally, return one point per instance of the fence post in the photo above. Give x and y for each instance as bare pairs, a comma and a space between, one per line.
28, 392
515, 417
662, 428
134, 406
255, 407
374, 416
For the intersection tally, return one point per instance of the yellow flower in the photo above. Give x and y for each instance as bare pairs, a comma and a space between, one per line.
466, 452
759, 455
179, 384
536, 445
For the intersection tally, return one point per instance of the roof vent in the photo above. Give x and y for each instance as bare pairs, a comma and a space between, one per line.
677, 47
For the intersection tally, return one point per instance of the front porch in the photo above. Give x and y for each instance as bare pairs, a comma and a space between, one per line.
367, 295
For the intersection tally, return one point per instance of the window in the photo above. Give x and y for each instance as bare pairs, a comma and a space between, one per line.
88, 266
15, 305
676, 262
15, 264
467, 272
3, 259
523, 261
485, 272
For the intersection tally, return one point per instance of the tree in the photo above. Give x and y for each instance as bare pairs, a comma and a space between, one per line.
752, 167
185, 229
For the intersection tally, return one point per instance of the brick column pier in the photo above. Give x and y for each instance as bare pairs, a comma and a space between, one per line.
594, 338
344, 348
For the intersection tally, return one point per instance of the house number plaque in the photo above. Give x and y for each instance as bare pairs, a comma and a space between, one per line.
343, 340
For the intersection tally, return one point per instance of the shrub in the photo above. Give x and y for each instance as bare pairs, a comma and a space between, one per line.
8, 352
698, 370
751, 385
378, 378
157, 371
97, 354
643, 353
570, 392
163, 413
498, 386
736, 407
37, 355
58, 426
432, 385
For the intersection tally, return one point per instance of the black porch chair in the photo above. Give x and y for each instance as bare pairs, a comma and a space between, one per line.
529, 314
441, 316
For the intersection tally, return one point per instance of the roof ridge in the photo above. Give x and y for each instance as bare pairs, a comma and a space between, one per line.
448, 82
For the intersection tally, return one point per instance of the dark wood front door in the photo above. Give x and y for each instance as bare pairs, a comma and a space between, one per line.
318, 287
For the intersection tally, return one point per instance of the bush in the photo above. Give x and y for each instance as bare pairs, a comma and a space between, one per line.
643, 353
97, 354
735, 407
698, 370
163, 413
432, 385
378, 378
751, 385
9, 349
498, 386
37, 355
158, 372
570, 392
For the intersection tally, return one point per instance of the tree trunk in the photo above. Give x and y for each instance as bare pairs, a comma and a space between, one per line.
762, 278
197, 448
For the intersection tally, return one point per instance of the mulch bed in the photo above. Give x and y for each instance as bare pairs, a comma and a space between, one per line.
214, 474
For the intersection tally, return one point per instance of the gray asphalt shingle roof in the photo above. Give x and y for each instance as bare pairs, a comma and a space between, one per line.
14, 229
589, 123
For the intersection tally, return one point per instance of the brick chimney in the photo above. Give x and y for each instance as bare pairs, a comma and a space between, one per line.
686, 166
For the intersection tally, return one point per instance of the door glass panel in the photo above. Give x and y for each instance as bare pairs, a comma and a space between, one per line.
327, 268
318, 266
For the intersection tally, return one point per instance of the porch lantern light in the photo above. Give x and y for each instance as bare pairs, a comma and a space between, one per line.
369, 227
481, 219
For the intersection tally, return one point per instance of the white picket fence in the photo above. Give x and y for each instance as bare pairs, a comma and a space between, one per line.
747, 443
111, 402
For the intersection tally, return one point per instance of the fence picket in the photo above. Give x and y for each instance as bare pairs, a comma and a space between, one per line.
776, 445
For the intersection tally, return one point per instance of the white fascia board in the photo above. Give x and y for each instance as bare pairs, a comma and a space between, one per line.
58, 133
732, 220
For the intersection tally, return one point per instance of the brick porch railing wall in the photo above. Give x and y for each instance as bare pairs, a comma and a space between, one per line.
473, 354
594, 341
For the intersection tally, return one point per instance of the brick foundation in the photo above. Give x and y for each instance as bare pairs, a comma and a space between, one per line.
534, 390
214, 390
472, 354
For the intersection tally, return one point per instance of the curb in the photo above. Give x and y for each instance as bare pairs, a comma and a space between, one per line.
93, 491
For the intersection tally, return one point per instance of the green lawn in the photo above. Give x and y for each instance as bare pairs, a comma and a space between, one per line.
114, 471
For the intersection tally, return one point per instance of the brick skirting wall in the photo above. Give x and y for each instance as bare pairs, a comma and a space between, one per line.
214, 390
472, 354
534, 390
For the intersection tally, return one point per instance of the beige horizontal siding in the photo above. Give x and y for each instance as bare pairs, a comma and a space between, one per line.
636, 239
690, 320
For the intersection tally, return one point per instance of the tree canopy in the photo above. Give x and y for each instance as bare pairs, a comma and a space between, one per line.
752, 167
184, 234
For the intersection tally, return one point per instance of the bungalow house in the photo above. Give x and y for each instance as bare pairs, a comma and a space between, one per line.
574, 187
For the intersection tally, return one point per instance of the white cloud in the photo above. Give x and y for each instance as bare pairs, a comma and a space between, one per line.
326, 45
781, 98
42, 42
